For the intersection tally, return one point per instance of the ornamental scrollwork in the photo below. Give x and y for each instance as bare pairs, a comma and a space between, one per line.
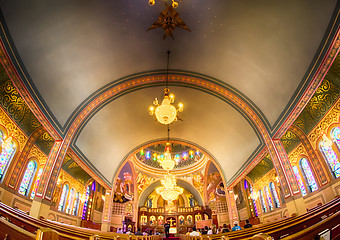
12, 129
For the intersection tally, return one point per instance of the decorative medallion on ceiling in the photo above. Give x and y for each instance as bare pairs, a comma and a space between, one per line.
168, 20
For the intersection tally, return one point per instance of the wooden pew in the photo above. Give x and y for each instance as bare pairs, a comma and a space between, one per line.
9, 231
286, 226
19, 218
311, 232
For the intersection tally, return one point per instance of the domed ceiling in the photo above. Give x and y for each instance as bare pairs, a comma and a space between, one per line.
263, 52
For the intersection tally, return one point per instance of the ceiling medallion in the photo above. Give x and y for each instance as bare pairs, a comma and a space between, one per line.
166, 113
168, 20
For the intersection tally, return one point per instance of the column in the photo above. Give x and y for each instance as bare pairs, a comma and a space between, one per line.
107, 211
232, 210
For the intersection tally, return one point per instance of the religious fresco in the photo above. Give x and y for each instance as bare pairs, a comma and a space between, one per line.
143, 181
215, 186
72, 168
195, 179
123, 189
239, 196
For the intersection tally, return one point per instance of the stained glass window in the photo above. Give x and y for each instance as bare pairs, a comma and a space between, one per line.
28, 178
36, 183
70, 201
330, 155
274, 194
263, 204
6, 155
269, 199
254, 202
63, 198
76, 204
299, 180
307, 172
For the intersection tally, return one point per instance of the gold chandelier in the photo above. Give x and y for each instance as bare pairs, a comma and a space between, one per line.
167, 163
174, 3
169, 191
166, 113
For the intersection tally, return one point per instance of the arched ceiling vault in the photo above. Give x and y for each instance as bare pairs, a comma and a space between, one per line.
73, 58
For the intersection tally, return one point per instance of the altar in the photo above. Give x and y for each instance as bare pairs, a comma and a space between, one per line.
179, 218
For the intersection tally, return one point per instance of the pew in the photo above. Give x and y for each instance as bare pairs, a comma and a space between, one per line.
331, 223
9, 231
278, 229
284, 227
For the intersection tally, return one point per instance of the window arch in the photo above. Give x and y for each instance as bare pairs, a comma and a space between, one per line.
63, 198
28, 178
269, 199
263, 204
70, 201
307, 172
7, 153
76, 205
274, 194
299, 180
331, 156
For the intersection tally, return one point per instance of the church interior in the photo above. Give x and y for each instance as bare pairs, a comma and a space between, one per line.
119, 115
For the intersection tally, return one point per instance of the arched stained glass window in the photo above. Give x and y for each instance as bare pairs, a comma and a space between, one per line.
28, 178
76, 205
331, 158
70, 201
335, 135
7, 153
63, 198
274, 194
254, 202
36, 183
299, 180
269, 199
263, 204
307, 172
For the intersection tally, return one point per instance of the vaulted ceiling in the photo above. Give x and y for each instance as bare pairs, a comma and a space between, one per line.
70, 50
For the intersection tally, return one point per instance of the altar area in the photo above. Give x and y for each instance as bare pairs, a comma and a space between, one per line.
179, 218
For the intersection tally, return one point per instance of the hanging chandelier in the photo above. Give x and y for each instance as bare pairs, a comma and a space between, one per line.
174, 3
166, 113
169, 191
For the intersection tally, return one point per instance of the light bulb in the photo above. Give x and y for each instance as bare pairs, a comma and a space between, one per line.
174, 4
151, 110
180, 107
152, 2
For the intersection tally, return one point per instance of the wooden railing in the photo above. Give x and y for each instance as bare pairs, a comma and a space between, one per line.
315, 220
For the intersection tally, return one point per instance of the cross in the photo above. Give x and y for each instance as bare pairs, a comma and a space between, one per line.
171, 220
